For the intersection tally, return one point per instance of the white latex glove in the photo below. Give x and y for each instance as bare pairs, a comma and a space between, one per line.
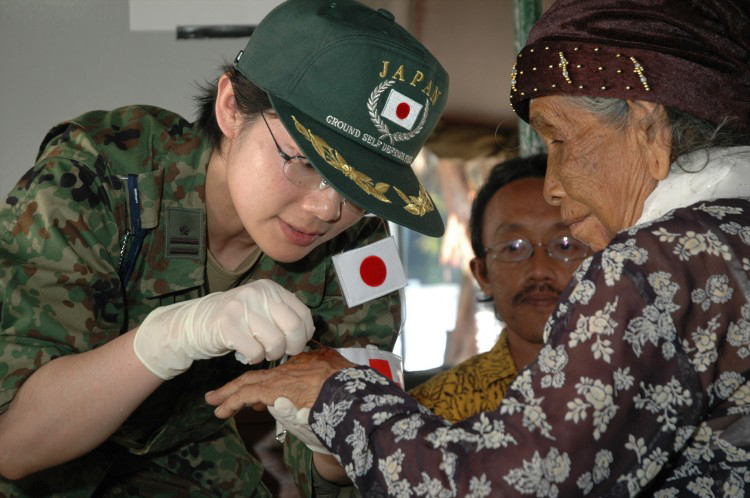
295, 421
258, 320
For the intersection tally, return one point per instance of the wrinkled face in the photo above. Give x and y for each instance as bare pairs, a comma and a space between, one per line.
525, 292
600, 175
285, 221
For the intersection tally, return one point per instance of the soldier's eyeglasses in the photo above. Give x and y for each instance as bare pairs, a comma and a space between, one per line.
301, 173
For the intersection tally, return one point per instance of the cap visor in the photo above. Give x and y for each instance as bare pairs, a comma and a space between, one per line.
364, 177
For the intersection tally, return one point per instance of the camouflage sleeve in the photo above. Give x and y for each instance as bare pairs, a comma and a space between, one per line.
59, 288
375, 322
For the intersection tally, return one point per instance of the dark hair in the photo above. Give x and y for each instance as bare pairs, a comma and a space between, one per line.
503, 173
250, 99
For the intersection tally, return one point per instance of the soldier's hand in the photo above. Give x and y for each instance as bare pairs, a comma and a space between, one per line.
260, 320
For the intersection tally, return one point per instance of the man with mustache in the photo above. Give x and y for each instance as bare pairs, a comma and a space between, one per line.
524, 257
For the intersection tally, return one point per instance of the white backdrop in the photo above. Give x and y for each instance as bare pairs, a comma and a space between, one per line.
60, 58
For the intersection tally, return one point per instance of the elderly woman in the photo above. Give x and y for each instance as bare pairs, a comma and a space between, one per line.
642, 387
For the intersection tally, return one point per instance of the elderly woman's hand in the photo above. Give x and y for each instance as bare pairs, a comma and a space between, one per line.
299, 380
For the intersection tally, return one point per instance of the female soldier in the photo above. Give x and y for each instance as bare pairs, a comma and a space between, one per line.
643, 384
140, 243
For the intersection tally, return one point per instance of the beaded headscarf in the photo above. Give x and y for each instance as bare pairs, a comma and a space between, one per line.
691, 55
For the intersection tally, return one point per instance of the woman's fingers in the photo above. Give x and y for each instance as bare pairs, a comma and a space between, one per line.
234, 403
299, 380
246, 380
246, 390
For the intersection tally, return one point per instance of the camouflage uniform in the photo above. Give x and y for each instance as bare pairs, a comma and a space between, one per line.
65, 230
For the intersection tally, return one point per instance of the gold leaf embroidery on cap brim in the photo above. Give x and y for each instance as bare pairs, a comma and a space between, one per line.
418, 206
332, 157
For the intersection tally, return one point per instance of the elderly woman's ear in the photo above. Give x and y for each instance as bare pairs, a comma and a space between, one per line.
652, 126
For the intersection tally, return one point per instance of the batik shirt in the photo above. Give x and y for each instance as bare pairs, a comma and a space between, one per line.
640, 389
65, 232
476, 385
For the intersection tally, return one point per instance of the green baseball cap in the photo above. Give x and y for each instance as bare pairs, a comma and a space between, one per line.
359, 95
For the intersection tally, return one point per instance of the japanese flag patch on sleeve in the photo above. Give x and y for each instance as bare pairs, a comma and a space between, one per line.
369, 272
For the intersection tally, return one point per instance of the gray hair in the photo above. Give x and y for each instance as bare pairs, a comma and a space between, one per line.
689, 133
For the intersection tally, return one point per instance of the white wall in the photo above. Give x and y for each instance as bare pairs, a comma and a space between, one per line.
59, 58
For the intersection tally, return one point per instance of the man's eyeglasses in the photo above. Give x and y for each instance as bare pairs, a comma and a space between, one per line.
566, 249
299, 172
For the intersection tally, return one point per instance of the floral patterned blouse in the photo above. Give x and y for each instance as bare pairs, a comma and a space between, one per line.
641, 388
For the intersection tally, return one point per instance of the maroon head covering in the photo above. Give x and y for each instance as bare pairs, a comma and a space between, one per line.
692, 55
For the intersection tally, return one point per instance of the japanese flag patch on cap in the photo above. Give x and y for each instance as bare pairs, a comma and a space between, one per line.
369, 272
401, 110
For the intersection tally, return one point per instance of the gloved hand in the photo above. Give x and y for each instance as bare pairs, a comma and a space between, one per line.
258, 320
295, 421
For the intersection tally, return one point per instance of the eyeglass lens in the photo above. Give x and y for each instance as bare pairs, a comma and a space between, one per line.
561, 248
301, 173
